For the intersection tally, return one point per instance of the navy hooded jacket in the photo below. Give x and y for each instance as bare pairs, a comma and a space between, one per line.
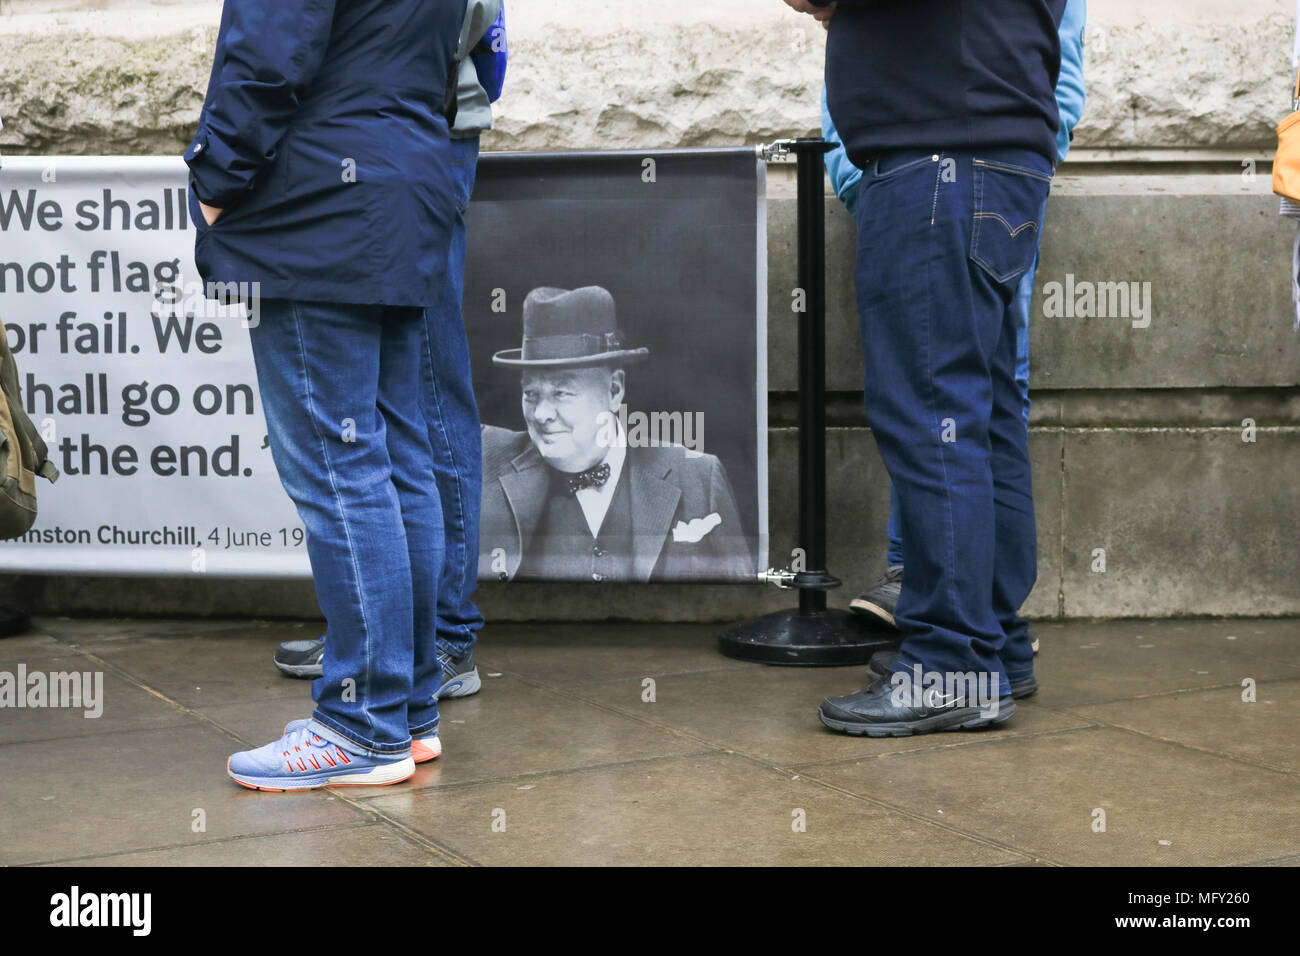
323, 138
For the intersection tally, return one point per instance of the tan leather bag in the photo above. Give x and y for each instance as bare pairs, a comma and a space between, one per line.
1286, 162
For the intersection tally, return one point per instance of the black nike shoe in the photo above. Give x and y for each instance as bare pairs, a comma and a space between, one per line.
875, 712
881, 664
881, 599
301, 658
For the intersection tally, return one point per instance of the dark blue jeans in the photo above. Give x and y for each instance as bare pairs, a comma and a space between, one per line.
1024, 301
455, 432
943, 240
348, 422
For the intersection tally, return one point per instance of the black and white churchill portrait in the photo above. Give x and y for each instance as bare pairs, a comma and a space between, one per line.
587, 490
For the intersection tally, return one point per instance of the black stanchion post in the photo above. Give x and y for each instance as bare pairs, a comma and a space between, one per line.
812, 368
811, 635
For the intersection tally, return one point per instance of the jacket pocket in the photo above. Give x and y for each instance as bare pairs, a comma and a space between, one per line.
1004, 231
192, 203
201, 226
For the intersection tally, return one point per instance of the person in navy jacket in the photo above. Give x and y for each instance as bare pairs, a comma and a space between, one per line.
482, 56
321, 177
323, 142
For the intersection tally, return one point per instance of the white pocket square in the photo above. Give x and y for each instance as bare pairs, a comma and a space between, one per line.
695, 529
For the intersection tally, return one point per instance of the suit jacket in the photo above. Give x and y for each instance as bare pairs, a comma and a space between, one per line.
668, 491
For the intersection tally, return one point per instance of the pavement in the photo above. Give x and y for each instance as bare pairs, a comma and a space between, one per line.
626, 744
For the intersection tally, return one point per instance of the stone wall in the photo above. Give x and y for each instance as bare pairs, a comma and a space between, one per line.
128, 76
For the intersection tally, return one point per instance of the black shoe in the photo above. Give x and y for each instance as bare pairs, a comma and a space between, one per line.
881, 599
14, 621
301, 658
873, 712
881, 664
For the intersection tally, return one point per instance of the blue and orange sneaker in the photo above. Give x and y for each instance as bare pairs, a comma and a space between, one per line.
423, 749
303, 760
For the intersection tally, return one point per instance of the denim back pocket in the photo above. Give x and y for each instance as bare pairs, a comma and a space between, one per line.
1008, 202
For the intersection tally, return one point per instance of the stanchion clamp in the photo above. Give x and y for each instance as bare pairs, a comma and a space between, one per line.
786, 579
781, 578
777, 151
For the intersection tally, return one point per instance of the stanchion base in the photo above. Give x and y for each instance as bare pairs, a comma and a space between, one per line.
829, 638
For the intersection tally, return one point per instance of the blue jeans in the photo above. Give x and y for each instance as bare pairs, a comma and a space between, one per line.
454, 431
348, 424
1024, 300
943, 241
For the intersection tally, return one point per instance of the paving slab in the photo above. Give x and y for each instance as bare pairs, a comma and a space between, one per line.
770, 713
701, 810
208, 668
374, 845
575, 654
1096, 662
90, 701
1140, 719
1164, 805
87, 796
1260, 730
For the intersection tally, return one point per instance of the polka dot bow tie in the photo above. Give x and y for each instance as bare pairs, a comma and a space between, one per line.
593, 477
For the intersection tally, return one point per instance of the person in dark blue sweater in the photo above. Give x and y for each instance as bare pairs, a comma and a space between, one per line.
878, 602
948, 107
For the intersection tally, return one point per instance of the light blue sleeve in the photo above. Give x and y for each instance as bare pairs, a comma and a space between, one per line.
844, 175
1069, 85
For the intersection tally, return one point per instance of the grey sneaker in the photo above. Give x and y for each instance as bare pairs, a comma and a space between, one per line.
880, 600
305, 659
301, 658
459, 676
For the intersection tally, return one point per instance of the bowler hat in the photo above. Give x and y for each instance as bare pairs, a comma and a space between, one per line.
568, 328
